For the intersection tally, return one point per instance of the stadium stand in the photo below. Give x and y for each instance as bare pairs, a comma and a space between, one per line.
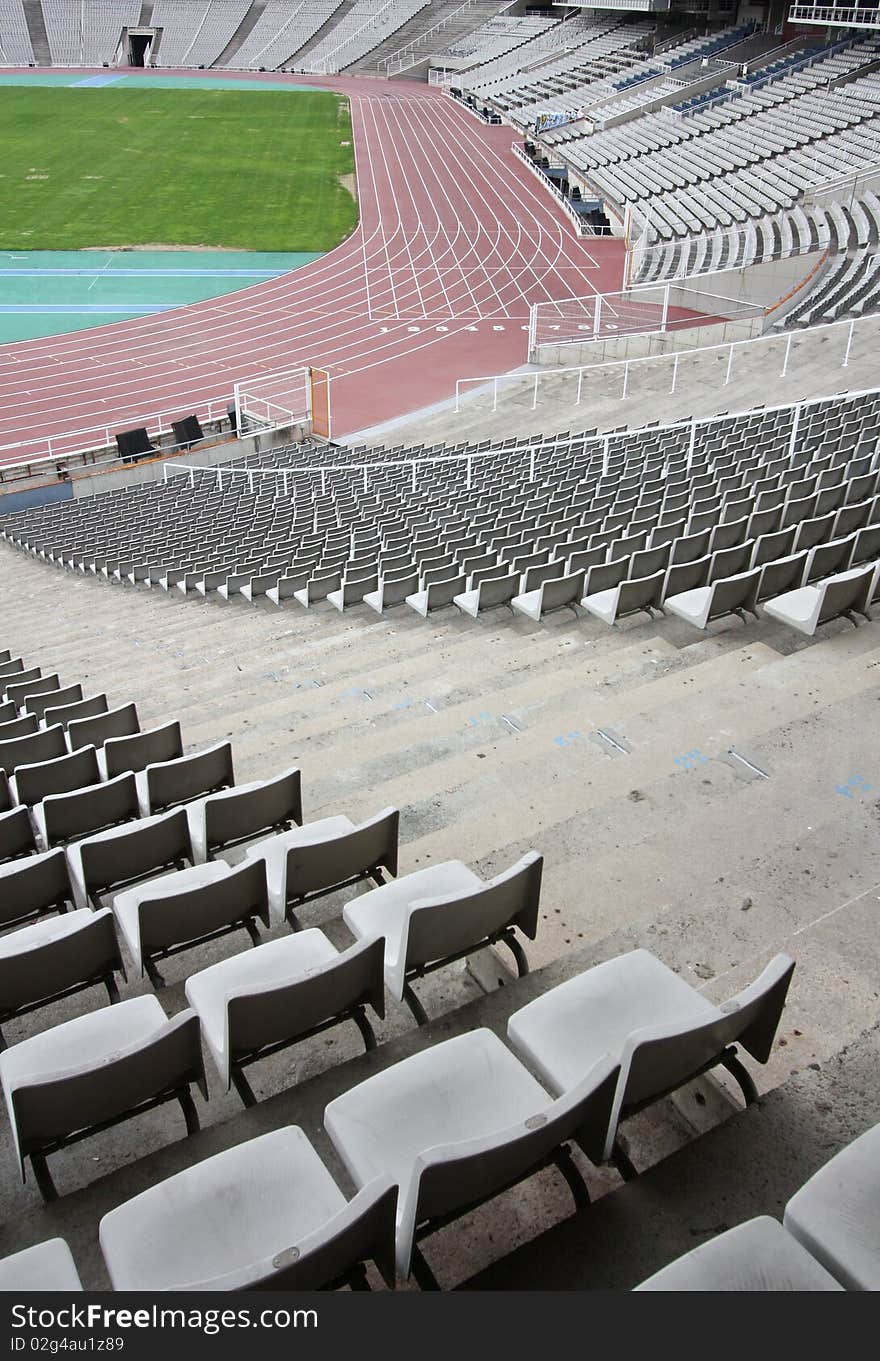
15, 40
361, 29
254, 605
279, 33
615, 523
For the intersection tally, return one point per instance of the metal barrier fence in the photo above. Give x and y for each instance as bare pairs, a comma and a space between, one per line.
44, 453
531, 383
273, 401
642, 310
530, 452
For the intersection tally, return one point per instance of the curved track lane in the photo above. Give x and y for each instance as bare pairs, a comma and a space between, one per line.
456, 239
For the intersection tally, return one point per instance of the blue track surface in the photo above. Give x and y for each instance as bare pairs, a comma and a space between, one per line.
50, 292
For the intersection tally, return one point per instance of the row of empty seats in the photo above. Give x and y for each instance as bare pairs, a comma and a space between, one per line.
362, 28
772, 502
433, 1136
154, 883
280, 31
16, 48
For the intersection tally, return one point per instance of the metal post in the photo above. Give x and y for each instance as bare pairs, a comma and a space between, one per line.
665, 312
535, 393
366, 482
284, 481
469, 469
164, 468
674, 373
457, 398
849, 338
251, 483
692, 444
794, 429
729, 366
414, 475
580, 386
625, 379
531, 465
787, 353
597, 315
323, 483
605, 445
192, 477
494, 394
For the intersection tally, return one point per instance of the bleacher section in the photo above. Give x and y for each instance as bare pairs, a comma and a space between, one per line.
769, 501
101, 27
279, 33
15, 41
193, 35
362, 28
495, 39
790, 501
743, 160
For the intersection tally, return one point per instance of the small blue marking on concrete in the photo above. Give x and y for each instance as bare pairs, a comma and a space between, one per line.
856, 784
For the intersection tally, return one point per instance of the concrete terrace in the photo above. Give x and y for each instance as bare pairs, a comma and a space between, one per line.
483, 733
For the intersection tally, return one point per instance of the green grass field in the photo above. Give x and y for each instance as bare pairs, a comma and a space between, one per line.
244, 171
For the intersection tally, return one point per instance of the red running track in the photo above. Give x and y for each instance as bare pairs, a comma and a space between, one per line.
456, 239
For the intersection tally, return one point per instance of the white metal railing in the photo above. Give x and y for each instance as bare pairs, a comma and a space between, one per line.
396, 60
846, 16
531, 382
843, 188
531, 448
45, 457
274, 401
581, 227
219, 471
645, 309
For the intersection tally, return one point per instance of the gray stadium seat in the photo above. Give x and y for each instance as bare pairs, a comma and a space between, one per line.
54, 958
443, 913
757, 1255
34, 885
265, 1214
321, 857
458, 1122
236, 815
663, 1031
260, 1002
97, 1069
176, 911
835, 1214
45, 1266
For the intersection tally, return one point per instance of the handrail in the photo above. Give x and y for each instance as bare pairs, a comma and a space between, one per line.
854, 16
580, 227
530, 446
409, 47
207, 414
675, 356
